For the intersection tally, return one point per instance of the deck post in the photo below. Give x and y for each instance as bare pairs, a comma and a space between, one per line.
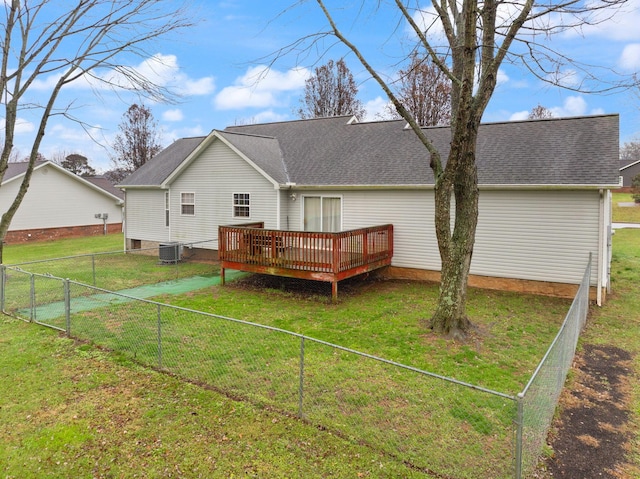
334, 292
221, 276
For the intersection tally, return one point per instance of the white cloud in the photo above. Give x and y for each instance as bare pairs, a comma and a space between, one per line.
502, 77
376, 109
203, 86
172, 135
427, 20
260, 87
572, 106
620, 24
22, 126
173, 115
630, 57
519, 115
268, 116
161, 70
568, 78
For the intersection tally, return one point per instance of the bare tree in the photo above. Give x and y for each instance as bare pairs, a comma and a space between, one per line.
478, 36
630, 152
78, 164
331, 91
14, 154
425, 91
82, 39
540, 113
138, 140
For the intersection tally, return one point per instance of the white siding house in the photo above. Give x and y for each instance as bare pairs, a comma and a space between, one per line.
58, 203
544, 192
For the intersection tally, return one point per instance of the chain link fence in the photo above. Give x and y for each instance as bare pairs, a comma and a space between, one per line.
538, 400
441, 426
120, 270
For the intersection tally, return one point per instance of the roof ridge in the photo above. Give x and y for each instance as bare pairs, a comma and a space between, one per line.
270, 137
559, 118
296, 120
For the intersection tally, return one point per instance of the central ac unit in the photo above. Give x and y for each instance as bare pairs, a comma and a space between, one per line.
170, 252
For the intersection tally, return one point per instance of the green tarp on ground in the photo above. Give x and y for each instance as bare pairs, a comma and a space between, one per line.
45, 312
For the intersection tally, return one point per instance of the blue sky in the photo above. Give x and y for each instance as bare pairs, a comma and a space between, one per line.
223, 71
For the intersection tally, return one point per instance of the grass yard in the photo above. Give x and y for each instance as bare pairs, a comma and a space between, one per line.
80, 412
387, 319
625, 214
75, 399
20, 253
112, 271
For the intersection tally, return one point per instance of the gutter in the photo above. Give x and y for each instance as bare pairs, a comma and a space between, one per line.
487, 187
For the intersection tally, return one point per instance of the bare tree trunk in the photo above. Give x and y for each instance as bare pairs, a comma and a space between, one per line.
456, 248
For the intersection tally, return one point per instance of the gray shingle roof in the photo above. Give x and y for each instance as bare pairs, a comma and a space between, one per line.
155, 171
262, 150
18, 168
103, 183
334, 152
582, 150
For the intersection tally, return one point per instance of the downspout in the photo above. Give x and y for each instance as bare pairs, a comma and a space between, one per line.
609, 240
278, 215
124, 221
601, 248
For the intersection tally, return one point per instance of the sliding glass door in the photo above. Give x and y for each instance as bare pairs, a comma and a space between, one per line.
322, 213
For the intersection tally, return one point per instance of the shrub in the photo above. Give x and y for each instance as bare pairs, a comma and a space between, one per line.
635, 183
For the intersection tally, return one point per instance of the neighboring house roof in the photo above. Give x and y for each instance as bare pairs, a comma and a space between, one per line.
339, 152
17, 170
105, 184
634, 163
155, 171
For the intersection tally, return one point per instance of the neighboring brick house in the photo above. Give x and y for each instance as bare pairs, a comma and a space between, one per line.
60, 204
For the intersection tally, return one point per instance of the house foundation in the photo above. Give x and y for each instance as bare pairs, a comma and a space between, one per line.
544, 288
50, 234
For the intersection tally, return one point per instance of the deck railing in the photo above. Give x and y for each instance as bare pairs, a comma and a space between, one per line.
304, 254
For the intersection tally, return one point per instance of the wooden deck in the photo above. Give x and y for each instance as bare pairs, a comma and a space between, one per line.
329, 257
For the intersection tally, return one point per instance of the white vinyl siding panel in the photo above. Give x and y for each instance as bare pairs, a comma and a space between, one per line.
215, 175
146, 215
535, 235
411, 214
55, 199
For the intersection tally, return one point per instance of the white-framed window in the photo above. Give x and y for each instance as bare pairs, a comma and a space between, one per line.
188, 204
322, 213
166, 209
241, 205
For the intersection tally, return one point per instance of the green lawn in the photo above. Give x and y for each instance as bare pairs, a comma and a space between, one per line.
82, 260
95, 394
19, 253
625, 214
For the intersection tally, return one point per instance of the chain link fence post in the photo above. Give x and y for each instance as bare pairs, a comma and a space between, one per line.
301, 385
67, 306
519, 428
93, 268
32, 298
3, 283
159, 336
